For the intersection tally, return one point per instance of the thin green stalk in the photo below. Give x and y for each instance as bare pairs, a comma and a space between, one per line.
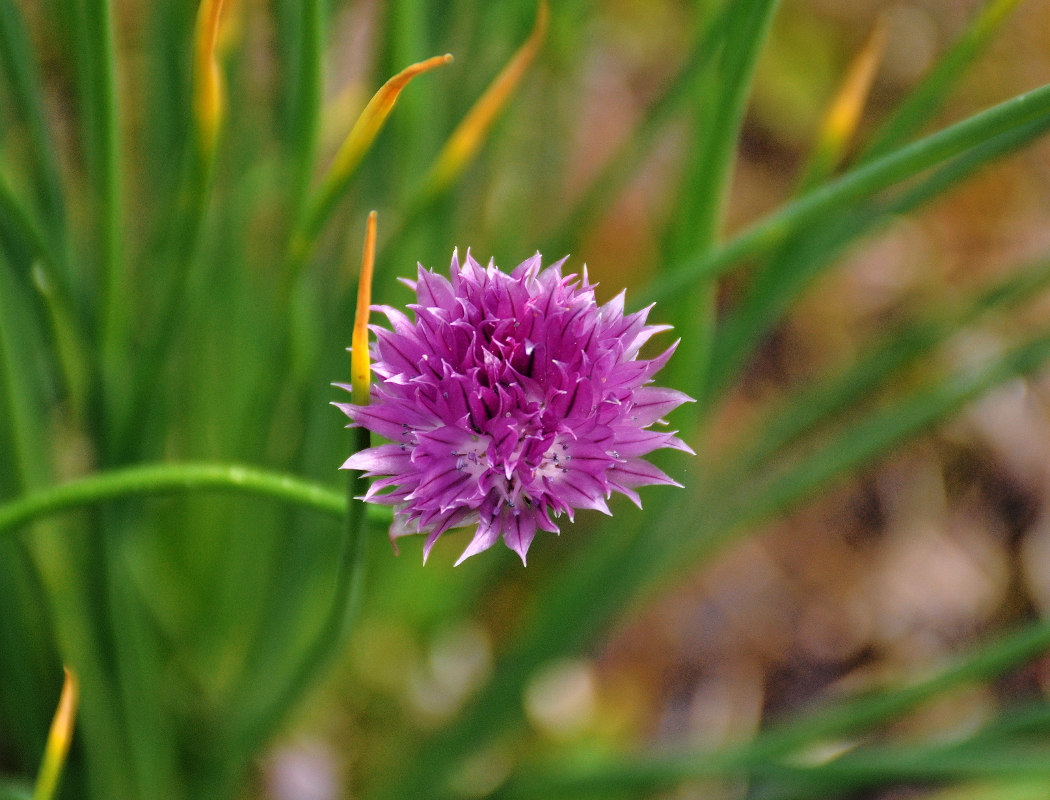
924, 101
71, 591
737, 499
24, 403
707, 189
702, 206
817, 403
788, 780
352, 556
65, 328
17, 215
780, 280
788, 481
311, 88
154, 479
857, 184
16, 56
108, 195
615, 173
351, 572
307, 102
772, 751
182, 248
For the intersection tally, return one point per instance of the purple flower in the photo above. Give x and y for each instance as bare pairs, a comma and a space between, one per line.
509, 401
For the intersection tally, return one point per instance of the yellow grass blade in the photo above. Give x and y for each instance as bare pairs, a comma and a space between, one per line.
372, 118
842, 116
360, 366
208, 101
353, 149
468, 136
58, 738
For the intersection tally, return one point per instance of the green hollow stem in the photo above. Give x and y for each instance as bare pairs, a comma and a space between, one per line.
864, 181
179, 262
707, 194
779, 280
796, 780
160, 479
342, 613
106, 137
624, 162
16, 55
924, 101
772, 751
308, 100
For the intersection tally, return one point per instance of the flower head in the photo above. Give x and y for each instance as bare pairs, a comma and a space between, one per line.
510, 400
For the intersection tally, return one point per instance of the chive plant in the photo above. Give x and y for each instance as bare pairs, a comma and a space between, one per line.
183, 191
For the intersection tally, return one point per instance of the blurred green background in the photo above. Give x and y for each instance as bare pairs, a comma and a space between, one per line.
846, 600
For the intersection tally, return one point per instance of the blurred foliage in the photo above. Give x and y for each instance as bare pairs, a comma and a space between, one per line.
807, 188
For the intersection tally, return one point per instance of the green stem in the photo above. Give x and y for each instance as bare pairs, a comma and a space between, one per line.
885, 765
152, 479
861, 182
66, 330
307, 115
108, 195
342, 613
928, 96
623, 164
767, 754
180, 253
745, 498
24, 79
780, 278
707, 189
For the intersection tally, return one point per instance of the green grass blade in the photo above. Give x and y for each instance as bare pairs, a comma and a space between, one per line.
702, 198
300, 39
25, 654
809, 409
883, 767
25, 244
782, 278
623, 164
926, 99
864, 181
704, 194
774, 752
789, 481
26, 92
351, 573
113, 325
25, 241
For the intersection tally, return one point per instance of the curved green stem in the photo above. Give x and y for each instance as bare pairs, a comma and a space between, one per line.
106, 140
150, 479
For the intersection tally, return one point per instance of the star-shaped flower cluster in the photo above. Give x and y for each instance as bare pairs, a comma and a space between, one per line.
511, 399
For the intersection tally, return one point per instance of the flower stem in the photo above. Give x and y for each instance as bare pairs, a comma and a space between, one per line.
342, 613
152, 479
